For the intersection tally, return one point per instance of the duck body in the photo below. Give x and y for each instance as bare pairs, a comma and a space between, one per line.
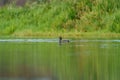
61, 41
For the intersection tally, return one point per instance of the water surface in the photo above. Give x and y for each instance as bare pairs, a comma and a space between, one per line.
45, 59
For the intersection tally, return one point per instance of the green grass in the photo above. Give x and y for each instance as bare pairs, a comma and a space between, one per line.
61, 17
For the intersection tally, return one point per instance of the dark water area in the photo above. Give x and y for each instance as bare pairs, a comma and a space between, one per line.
45, 59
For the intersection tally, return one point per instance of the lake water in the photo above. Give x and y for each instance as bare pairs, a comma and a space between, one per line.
45, 59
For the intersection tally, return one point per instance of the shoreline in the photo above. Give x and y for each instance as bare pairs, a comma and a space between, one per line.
81, 35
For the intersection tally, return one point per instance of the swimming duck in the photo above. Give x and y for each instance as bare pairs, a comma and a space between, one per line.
63, 40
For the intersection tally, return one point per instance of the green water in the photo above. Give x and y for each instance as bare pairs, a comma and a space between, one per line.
77, 60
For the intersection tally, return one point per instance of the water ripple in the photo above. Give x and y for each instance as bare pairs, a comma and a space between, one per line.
53, 40
96, 41
28, 40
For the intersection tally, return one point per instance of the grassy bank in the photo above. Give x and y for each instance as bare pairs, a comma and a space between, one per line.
89, 35
66, 18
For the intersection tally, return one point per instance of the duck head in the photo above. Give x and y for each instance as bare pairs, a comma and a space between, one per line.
60, 38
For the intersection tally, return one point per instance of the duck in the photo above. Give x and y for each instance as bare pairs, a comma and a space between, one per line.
61, 40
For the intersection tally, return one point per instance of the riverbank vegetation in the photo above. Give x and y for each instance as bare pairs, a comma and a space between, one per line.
66, 17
